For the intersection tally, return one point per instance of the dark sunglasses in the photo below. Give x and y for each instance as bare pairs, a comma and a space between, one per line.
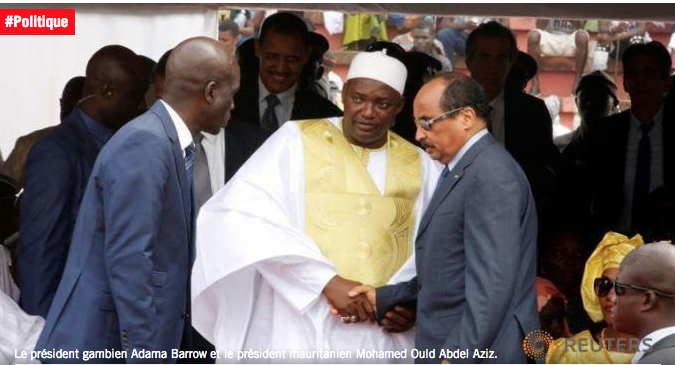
602, 286
620, 289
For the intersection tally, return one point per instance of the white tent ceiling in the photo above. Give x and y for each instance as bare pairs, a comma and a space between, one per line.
651, 11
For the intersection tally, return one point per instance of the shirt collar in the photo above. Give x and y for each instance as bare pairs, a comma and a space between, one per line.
284, 97
650, 340
472, 141
635, 122
100, 132
184, 135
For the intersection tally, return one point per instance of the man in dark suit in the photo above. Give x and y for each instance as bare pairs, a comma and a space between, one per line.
519, 122
622, 158
14, 166
126, 284
278, 95
58, 167
476, 243
645, 302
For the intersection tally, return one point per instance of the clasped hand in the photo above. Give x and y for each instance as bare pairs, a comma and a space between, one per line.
354, 302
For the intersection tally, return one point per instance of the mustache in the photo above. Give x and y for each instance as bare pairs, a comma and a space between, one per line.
426, 145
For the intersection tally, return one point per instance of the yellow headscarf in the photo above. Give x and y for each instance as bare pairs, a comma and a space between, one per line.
608, 255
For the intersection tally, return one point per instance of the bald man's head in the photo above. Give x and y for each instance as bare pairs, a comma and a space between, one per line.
646, 300
116, 80
653, 265
201, 79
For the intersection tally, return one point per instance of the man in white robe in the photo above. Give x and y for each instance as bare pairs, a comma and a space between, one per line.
19, 332
269, 265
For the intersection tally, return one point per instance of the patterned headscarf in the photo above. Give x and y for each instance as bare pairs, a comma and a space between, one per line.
608, 255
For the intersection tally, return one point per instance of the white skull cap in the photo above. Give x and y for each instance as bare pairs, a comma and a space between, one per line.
381, 67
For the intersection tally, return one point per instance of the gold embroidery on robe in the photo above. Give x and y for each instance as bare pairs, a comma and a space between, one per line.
366, 235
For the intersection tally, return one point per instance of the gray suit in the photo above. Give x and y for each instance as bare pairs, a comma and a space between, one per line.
476, 261
662, 352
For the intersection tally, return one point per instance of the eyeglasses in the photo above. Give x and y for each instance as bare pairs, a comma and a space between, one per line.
426, 123
620, 289
602, 286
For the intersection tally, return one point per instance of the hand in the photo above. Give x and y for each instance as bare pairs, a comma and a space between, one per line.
356, 307
367, 290
400, 319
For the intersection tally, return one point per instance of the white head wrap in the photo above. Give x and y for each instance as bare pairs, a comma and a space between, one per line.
378, 66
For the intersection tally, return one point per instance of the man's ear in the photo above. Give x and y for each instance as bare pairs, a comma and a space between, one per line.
648, 301
469, 118
210, 92
107, 91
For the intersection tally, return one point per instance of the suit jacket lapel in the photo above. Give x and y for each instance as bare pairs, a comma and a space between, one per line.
87, 144
668, 341
451, 180
618, 139
233, 153
178, 159
668, 142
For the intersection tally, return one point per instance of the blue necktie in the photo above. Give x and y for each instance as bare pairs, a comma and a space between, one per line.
441, 179
189, 171
190, 161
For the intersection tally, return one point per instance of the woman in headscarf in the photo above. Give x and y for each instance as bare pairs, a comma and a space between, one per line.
601, 343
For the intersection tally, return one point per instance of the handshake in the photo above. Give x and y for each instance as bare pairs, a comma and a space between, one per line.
353, 302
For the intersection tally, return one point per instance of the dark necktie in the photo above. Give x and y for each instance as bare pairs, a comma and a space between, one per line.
189, 169
269, 121
642, 179
202, 178
441, 180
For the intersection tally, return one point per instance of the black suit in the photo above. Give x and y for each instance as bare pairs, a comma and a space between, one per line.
528, 137
241, 141
662, 352
599, 164
307, 105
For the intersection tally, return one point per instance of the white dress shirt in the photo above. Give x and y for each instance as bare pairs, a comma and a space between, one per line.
284, 109
497, 119
214, 148
184, 135
472, 141
650, 340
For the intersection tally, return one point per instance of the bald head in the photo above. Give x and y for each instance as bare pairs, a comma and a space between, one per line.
192, 63
115, 83
648, 300
652, 265
201, 78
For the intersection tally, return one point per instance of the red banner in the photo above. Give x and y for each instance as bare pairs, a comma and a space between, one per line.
37, 21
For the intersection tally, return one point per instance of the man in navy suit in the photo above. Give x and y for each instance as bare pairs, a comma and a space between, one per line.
476, 243
58, 167
126, 284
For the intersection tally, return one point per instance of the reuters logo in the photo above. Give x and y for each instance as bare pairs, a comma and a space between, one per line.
536, 344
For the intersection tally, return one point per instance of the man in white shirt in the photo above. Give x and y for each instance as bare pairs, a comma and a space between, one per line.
283, 49
323, 205
645, 301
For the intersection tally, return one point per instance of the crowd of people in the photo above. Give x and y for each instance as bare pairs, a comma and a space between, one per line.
237, 194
